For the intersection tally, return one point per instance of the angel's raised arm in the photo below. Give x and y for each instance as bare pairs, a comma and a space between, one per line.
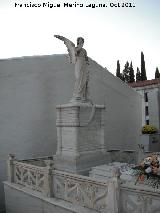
70, 47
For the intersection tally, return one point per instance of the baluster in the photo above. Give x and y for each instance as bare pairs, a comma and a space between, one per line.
66, 183
21, 173
10, 165
36, 180
29, 181
33, 178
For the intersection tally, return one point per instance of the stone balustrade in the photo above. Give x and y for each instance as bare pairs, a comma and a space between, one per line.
107, 194
35, 177
139, 198
81, 190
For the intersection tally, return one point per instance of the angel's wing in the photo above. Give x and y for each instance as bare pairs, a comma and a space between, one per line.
70, 47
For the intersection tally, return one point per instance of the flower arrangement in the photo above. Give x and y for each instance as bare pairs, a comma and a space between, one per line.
148, 170
149, 129
150, 164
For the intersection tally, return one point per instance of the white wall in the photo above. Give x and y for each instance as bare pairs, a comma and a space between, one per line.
30, 89
153, 106
123, 109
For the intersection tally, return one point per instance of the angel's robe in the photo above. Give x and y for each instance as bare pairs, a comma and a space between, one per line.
81, 76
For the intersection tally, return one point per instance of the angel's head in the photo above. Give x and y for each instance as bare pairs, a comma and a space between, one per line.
80, 41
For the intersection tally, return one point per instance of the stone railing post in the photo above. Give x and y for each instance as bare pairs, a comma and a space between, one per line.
141, 153
48, 179
113, 197
10, 165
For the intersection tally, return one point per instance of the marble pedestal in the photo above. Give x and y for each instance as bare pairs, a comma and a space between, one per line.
151, 142
80, 135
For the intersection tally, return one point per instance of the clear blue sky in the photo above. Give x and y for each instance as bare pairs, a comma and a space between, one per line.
111, 33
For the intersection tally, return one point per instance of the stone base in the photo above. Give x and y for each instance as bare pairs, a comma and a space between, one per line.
105, 172
80, 137
80, 165
151, 142
23, 200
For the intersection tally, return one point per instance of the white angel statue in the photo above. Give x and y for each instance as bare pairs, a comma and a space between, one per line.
78, 56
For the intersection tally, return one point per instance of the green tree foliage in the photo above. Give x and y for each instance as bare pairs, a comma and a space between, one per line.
126, 72
138, 75
131, 74
122, 77
128, 75
118, 71
157, 74
143, 69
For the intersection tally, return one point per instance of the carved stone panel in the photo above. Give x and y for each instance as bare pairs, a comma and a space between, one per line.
139, 202
81, 191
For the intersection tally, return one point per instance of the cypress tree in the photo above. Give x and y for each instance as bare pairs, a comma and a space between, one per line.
157, 74
143, 69
126, 72
138, 75
122, 77
131, 74
118, 71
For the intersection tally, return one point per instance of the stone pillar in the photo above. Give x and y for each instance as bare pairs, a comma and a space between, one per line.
80, 135
10, 166
113, 197
48, 192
